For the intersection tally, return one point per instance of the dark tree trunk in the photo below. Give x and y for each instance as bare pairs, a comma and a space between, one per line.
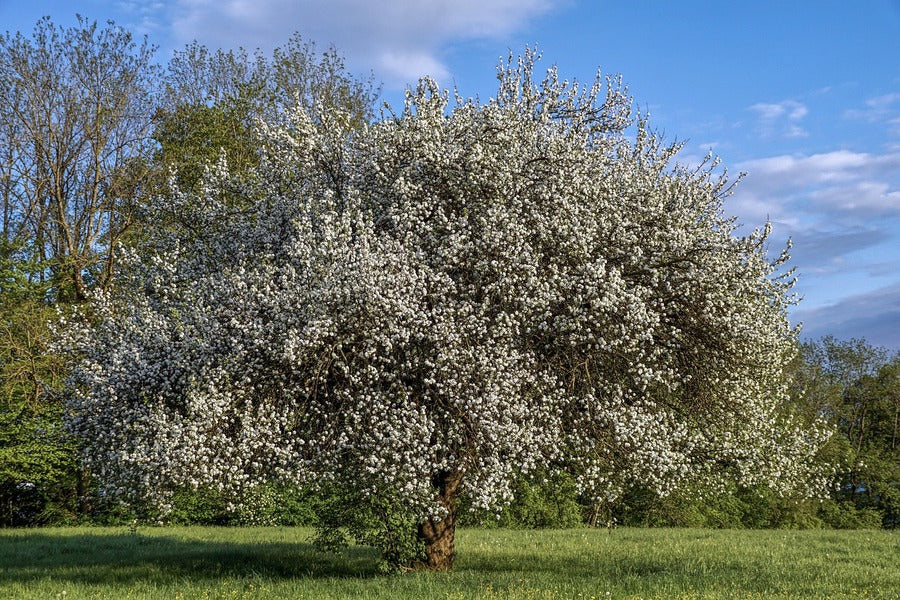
439, 535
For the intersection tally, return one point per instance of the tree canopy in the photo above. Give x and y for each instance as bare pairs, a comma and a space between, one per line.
438, 302
73, 127
211, 100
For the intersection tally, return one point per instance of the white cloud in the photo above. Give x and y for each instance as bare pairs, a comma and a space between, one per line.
788, 174
795, 131
791, 109
781, 118
768, 112
877, 109
841, 208
412, 61
145, 17
400, 40
868, 197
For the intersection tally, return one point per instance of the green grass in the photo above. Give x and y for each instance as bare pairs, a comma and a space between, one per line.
207, 562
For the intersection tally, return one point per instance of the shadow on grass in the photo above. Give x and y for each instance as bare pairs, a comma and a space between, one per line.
122, 559
125, 558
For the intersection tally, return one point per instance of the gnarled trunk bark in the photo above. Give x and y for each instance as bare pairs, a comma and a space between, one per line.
439, 535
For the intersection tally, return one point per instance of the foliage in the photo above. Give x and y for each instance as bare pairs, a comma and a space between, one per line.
297, 74
268, 505
27, 367
192, 137
437, 304
545, 499
77, 167
38, 471
37, 467
347, 514
856, 387
199, 507
73, 131
756, 507
846, 515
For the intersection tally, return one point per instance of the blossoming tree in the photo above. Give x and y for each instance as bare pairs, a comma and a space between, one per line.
437, 303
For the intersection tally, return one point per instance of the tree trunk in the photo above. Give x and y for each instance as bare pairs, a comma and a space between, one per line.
438, 535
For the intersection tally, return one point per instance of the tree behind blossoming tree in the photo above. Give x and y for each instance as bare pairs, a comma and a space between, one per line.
437, 303
89, 127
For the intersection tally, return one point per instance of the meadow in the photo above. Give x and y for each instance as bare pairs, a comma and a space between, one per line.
210, 562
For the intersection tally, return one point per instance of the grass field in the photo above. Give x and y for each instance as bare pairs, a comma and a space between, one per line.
205, 562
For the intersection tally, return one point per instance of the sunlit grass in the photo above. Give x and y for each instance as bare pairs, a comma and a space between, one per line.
205, 562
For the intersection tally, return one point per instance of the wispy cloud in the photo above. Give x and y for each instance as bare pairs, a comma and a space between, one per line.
872, 198
844, 185
840, 208
824, 250
877, 109
781, 119
791, 109
145, 17
401, 40
881, 110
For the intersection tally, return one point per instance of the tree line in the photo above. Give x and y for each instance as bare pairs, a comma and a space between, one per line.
270, 305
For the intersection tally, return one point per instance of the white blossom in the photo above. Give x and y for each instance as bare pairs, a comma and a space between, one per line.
466, 288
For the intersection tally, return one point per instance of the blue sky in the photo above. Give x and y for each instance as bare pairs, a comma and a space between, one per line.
802, 96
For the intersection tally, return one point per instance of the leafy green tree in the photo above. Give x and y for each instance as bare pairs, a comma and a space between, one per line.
856, 387
193, 137
870, 422
74, 144
89, 128
39, 477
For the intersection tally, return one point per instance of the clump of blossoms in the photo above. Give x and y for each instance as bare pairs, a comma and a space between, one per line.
438, 302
